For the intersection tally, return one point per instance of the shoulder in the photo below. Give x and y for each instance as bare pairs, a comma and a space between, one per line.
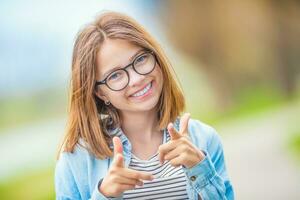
78, 163
79, 154
71, 162
68, 168
78, 172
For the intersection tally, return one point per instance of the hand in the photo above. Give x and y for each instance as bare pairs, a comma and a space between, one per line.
180, 150
119, 178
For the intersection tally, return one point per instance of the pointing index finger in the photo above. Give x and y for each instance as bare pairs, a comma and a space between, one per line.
173, 133
118, 151
118, 148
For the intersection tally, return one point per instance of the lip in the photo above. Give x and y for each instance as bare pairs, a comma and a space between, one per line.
148, 93
141, 89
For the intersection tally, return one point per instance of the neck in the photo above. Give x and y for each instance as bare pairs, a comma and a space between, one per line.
140, 127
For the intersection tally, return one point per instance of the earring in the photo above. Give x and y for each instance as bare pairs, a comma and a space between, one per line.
107, 103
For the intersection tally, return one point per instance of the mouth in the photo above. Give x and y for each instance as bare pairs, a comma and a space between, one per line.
143, 92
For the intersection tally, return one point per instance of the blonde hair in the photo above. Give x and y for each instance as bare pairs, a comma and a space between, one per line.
85, 108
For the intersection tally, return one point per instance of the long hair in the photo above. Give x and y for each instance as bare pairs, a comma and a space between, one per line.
85, 121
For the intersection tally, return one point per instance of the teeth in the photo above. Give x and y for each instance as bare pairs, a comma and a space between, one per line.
140, 93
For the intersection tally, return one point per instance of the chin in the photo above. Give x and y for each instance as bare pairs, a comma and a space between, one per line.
146, 106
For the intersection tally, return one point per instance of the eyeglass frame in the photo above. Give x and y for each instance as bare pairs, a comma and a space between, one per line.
125, 69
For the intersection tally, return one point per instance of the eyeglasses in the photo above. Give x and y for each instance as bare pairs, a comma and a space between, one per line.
117, 80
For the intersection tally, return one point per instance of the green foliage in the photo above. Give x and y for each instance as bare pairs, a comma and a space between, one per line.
37, 185
294, 144
16, 111
248, 103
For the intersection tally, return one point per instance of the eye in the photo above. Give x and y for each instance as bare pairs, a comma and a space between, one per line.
115, 76
141, 59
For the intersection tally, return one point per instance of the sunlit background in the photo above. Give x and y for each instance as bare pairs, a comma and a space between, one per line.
238, 63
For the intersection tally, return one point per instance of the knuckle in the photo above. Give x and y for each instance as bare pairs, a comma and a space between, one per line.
184, 155
160, 149
181, 141
113, 178
172, 162
136, 176
187, 137
113, 170
186, 149
133, 175
184, 140
182, 160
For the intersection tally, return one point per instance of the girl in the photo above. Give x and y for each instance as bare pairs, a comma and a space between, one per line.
125, 139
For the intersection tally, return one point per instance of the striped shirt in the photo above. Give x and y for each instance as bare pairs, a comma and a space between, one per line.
168, 183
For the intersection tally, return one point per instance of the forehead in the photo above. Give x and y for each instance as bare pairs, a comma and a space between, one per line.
114, 53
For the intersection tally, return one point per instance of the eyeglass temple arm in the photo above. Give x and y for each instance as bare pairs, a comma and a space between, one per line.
100, 82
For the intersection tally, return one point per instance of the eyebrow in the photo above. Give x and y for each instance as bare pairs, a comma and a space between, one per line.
118, 67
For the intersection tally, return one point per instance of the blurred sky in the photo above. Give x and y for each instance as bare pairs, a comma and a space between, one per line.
37, 37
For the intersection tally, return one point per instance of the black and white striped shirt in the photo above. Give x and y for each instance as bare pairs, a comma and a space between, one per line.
169, 182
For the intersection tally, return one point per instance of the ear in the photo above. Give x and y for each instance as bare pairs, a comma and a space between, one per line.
100, 94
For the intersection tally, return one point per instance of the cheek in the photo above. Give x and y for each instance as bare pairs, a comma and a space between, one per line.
159, 77
117, 99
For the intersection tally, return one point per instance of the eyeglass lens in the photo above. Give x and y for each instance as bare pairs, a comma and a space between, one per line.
143, 65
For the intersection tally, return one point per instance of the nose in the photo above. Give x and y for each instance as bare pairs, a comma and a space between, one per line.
134, 78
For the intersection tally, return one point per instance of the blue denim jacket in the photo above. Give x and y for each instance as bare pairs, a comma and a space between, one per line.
77, 174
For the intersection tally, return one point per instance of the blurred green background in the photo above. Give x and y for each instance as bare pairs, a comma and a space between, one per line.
238, 63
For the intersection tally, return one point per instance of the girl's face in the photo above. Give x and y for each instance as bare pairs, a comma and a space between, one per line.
142, 92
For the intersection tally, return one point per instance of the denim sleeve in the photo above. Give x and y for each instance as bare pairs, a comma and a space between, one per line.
209, 177
66, 187
99, 196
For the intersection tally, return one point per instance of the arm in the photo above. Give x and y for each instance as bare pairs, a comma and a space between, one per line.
209, 177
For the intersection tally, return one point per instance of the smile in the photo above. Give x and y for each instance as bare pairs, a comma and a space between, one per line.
143, 91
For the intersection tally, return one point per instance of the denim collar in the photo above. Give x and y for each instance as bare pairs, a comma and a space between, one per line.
124, 140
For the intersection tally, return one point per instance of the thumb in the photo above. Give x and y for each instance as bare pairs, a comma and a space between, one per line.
173, 133
118, 160
118, 148
118, 152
